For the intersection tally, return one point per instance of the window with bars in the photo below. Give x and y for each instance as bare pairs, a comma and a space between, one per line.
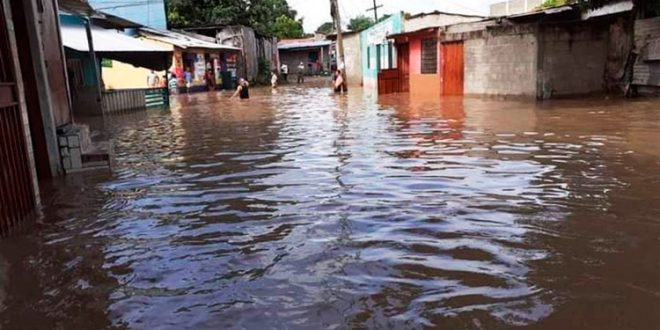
429, 56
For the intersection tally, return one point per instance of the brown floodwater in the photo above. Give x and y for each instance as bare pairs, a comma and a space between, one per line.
307, 210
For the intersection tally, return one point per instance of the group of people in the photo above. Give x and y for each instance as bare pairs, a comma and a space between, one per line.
243, 88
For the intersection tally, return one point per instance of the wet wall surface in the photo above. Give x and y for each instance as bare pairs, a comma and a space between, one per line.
309, 210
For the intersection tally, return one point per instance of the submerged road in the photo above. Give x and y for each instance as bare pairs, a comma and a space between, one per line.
306, 210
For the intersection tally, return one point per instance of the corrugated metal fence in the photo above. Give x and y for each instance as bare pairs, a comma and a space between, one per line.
117, 101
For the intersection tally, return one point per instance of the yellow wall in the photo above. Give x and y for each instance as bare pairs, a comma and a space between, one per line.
124, 76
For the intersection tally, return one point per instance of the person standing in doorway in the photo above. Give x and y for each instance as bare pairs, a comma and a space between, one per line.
301, 73
243, 89
285, 72
188, 78
152, 80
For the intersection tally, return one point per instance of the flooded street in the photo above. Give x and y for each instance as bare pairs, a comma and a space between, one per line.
306, 210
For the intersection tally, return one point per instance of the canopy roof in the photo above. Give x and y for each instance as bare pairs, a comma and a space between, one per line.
117, 46
290, 44
182, 40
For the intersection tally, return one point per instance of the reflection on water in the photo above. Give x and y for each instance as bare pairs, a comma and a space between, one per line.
306, 210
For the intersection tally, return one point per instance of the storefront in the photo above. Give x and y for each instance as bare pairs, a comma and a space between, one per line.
213, 66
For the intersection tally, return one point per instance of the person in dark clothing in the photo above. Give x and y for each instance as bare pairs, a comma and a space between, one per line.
243, 90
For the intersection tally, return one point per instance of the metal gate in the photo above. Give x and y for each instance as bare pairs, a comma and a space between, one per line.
17, 198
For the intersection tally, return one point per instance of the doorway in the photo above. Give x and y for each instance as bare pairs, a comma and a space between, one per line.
452, 68
403, 57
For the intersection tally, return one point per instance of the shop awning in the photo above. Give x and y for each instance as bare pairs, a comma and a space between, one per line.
114, 45
183, 40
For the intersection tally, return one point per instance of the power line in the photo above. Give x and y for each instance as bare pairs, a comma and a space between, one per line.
375, 9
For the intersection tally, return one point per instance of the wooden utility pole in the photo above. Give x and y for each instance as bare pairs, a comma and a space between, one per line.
375, 9
334, 11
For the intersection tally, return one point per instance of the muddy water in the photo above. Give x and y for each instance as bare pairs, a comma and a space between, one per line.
305, 210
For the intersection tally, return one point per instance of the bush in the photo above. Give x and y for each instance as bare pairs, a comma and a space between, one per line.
554, 3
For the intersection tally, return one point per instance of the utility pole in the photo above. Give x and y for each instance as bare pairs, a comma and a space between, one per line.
375, 9
334, 11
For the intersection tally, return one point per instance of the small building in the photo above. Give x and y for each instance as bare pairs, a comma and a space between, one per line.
34, 104
352, 55
86, 45
259, 54
557, 52
190, 51
313, 53
379, 53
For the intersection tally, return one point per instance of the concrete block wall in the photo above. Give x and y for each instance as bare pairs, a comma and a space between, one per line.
647, 67
513, 7
573, 59
353, 60
503, 62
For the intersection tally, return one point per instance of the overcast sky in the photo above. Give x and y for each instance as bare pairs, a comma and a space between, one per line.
316, 12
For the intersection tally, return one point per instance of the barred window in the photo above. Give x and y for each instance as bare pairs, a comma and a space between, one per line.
429, 56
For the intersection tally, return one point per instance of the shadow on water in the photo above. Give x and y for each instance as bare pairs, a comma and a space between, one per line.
301, 209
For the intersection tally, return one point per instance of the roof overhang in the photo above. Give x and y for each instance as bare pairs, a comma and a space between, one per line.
183, 41
116, 46
293, 46
76, 7
406, 36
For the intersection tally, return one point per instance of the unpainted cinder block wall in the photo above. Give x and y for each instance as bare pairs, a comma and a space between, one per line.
502, 62
572, 59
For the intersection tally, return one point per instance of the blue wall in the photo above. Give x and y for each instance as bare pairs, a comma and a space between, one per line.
373, 43
146, 12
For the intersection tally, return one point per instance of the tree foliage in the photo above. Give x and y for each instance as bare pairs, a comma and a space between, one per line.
360, 23
326, 28
286, 27
259, 14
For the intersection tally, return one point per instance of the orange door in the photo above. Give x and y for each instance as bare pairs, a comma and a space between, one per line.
452, 68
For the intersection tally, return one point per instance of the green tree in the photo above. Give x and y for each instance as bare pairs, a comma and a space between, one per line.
360, 23
287, 28
326, 28
259, 14
384, 17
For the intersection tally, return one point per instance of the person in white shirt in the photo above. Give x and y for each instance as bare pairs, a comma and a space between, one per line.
273, 79
152, 80
285, 72
301, 73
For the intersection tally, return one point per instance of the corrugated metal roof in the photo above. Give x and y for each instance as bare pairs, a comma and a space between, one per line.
181, 40
75, 37
609, 9
306, 43
78, 7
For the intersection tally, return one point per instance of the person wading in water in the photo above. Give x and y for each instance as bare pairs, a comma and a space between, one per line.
339, 83
243, 89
